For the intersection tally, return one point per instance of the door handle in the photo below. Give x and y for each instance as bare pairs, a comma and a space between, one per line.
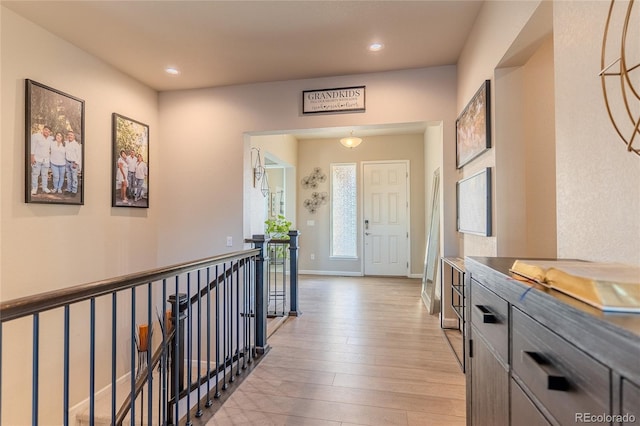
367, 233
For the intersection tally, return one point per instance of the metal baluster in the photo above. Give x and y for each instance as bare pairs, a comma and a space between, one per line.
35, 369
92, 363
199, 328
209, 402
114, 334
134, 350
189, 345
250, 288
149, 346
246, 314
231, 378
1, 372
164, 363
224, 327
238, 318
217, 394
65, 397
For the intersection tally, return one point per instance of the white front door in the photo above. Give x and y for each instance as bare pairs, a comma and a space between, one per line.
386, 214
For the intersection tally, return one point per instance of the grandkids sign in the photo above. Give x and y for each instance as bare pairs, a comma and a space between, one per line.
343, 99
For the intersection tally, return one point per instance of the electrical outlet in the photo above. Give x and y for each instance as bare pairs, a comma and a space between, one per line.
313, 256
229, 241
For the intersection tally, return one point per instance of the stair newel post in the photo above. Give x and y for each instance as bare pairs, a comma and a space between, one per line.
293, 272
260, 242
179, 306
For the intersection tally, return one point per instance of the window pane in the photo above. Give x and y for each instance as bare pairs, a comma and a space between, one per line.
343, 210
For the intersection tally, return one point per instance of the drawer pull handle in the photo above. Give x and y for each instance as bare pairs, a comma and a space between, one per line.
488, 317
555, 381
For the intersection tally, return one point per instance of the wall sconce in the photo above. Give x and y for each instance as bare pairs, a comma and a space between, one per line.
260, 174
351, 141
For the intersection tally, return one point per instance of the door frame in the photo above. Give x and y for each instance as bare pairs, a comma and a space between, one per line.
407, 163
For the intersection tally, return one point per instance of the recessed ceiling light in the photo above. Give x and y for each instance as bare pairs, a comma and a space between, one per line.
374, 47
172, 70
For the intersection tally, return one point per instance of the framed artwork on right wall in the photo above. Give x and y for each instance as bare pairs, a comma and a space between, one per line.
473, 199
473, 126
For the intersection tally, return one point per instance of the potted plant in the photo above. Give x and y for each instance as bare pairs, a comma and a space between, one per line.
277, 228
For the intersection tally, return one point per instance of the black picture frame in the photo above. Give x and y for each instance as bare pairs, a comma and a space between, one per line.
54, 168
130, 136
473, 203
473, 126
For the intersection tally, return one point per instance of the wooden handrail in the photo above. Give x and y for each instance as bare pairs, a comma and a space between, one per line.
30, 305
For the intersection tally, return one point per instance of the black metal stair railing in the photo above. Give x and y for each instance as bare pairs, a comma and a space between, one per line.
281, 273
212, 317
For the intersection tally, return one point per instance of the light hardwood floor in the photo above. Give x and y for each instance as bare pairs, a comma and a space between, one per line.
363, 352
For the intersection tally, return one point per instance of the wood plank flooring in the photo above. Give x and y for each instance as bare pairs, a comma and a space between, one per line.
363, 352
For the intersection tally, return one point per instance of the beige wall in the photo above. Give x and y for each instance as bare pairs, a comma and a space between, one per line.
322, 153
47, 247
75, 244
598, 181
199, 163
563, 185
215, 124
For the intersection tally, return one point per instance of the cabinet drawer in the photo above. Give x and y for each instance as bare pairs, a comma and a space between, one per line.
563, 378
490, 316
523, 412
630, 409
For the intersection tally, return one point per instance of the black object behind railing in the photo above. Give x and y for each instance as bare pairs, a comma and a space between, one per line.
210, 326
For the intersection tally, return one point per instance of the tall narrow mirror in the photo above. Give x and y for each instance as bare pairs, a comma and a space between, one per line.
432, 250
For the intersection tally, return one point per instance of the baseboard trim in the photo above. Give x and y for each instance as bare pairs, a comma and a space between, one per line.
449, 323
333, 273
343, 273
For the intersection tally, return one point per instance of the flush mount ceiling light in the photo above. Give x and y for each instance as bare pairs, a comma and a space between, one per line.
375, 47
172, 70
351, 141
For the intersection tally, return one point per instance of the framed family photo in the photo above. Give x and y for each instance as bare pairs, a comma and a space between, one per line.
130, 178
54, 140
473, 127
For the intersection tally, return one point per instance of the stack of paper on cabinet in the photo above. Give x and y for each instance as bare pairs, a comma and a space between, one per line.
610, 287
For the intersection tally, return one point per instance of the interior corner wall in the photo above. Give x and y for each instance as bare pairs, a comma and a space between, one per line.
598, 181
204, 132
495, 29
597, 191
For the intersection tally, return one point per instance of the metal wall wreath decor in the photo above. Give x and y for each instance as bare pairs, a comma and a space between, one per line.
311, 182
621, 97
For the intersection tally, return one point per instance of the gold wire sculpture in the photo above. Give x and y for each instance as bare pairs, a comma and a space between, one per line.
623, 100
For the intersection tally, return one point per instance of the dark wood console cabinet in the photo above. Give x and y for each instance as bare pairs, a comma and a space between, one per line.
539, 357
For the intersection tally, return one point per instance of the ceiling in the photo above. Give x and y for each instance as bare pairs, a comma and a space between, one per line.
220, 43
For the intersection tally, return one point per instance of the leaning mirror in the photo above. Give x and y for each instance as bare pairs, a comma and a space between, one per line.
432, 250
